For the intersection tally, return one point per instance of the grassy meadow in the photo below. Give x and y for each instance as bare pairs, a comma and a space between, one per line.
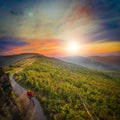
70, 92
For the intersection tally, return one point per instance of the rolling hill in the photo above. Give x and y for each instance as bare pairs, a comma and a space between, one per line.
68, 91
113, 61
96, 62
12, 59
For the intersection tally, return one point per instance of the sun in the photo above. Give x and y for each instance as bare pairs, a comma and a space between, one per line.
73, 47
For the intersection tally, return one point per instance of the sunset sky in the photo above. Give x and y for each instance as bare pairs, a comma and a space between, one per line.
49, 26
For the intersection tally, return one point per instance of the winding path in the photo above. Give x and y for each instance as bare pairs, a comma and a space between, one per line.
33, 112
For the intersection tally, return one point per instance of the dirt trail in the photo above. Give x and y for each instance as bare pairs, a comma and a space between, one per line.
33, 112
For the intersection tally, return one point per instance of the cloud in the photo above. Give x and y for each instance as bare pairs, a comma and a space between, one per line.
106, 13
104, 36
9, 43
41, 21
16, 12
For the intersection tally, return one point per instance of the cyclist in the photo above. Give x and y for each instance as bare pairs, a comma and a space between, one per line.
30, 95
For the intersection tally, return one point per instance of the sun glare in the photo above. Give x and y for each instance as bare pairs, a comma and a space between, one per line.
73, 47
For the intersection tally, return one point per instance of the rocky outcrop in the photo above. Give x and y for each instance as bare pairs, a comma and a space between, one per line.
8, 107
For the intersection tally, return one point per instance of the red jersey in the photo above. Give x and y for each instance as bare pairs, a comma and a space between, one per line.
30, 94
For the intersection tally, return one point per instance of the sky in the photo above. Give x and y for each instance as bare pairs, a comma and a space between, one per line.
49, 26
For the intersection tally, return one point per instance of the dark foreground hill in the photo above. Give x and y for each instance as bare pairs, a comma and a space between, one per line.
8, 107
71, 92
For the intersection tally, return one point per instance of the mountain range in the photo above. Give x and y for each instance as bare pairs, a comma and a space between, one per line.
95, 62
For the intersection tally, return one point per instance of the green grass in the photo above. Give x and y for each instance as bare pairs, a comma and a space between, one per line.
58, 84
115, 75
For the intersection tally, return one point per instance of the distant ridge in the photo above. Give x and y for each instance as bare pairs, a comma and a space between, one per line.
111, 59
110, 62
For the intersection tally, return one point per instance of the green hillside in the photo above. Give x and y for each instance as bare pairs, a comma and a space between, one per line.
12, 59
70, 92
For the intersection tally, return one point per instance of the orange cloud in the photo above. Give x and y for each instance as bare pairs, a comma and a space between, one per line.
96, 48
56, 48
46, 47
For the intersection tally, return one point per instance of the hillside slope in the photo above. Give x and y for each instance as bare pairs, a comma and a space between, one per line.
12, 59
60, 86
